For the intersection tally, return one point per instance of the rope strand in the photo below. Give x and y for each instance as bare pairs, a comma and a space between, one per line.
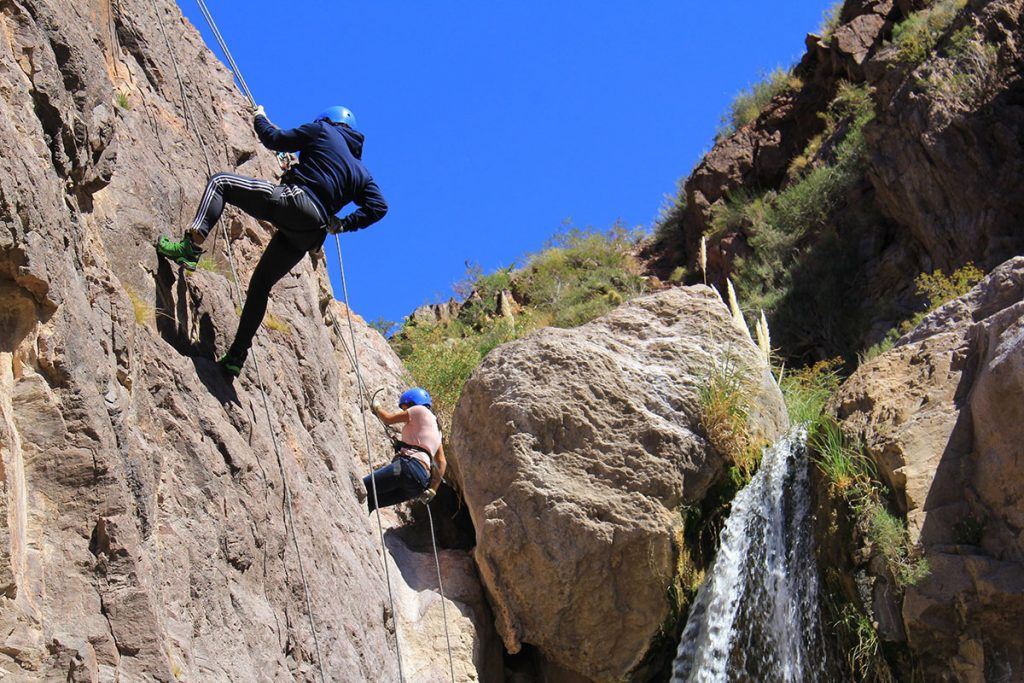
366, 434
353, 356
290, 522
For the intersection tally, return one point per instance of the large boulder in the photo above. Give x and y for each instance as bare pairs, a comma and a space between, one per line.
576, 451
940, 415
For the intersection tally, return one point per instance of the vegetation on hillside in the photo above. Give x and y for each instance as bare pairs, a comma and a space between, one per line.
917, 36
936, 289
579, 276
752, 100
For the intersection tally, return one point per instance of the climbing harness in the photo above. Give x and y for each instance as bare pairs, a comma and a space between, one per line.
353, 356
255, 355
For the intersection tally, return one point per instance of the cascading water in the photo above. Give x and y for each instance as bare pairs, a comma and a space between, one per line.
756, 616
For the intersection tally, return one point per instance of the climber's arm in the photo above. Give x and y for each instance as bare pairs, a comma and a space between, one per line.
277, 140
440, 465
391, 418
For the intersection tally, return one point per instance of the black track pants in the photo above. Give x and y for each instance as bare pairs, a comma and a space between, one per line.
301, 228
279, 258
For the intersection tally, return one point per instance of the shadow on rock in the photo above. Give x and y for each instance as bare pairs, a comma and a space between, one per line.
189, 330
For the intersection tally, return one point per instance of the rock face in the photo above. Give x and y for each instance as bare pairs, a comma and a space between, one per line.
941, 417
144, 534
576, 451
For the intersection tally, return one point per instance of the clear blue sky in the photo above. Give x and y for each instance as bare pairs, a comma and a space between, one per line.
490, 124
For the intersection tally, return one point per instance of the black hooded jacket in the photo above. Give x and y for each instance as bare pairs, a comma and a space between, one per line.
329, 167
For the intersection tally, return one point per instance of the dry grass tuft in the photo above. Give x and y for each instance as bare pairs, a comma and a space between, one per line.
725, 417
144, 312
272, 322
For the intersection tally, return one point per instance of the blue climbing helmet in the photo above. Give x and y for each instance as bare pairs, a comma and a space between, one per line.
338, 114
415, 397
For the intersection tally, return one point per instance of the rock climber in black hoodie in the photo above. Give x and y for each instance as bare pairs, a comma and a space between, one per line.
329, 175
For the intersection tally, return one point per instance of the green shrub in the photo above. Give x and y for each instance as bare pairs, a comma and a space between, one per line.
967, 72
860, 644
807, 390
725, 417
939, 289
579, 276
830, 20
844, 465
777, 224
122, 98
916, 36
936, 289
751, 101
888, 534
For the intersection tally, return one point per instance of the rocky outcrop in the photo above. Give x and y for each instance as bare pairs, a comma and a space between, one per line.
576, 451
938, 186
940, 416
144, 525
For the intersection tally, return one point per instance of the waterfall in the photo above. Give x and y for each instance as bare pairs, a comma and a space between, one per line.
756, 616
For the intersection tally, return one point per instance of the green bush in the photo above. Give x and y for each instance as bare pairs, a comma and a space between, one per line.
751, 101
579, 276
843, 463
916, 36
965, 75
936, 289
778, 224
122, 98
725, 404
807, 390
888, 534
830, 20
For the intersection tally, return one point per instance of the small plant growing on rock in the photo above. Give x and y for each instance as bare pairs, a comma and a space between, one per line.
830, 20
848, 471
272, 322
889, 535
751, 101
144, 312
808, 390
964, 75
122, 98
725, 417
862, 646
937, 289
917, 35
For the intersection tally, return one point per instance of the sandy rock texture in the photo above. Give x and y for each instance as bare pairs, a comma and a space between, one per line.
941, 416
576, 450
143, 526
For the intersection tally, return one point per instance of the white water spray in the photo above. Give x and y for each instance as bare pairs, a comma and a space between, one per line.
756, 616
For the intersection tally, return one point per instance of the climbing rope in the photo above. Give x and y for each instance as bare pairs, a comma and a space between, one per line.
366, 434
255, 356
440, 587
361, 389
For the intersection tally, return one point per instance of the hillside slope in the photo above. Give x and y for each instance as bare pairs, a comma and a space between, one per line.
893, 149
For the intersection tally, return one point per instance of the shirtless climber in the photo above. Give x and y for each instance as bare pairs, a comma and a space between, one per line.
419, 463
329, 175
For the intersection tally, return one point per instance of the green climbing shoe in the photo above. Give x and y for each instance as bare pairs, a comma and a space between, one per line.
181, 251
231, 364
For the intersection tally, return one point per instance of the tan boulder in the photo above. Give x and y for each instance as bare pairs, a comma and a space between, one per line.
577, 450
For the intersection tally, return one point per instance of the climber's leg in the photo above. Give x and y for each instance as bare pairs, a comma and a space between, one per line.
279, 258
252, 195
390, 489
404, 479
